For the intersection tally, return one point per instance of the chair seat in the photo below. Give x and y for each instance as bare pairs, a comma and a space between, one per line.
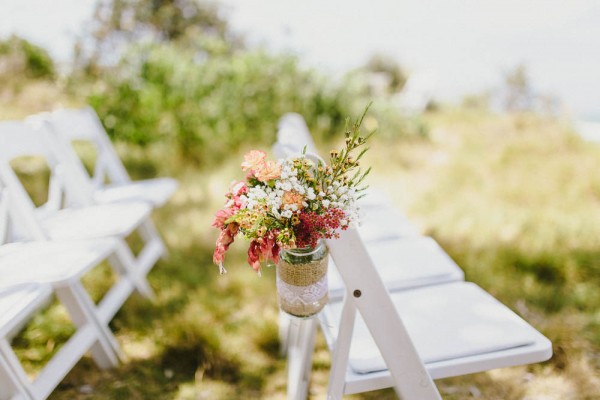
404, 263
51, 261
384, 222
154, 191
18, 302
119, 219
454, 327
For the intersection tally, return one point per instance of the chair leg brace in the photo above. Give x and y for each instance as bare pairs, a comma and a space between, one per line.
13, 381
302, 334
341, 351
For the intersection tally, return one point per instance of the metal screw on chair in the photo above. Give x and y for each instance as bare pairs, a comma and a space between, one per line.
357, 293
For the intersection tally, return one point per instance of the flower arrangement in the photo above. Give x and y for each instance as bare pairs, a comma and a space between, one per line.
293, 202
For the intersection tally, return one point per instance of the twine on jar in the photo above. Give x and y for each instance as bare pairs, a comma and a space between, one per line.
302, 287
302, 274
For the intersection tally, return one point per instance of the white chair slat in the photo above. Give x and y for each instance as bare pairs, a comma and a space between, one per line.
403, 264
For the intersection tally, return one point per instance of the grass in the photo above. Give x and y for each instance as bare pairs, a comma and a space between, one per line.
514, 200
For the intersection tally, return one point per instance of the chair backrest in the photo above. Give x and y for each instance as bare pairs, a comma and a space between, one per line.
366, 293
84, 125
3, 216
293, 132
28, 140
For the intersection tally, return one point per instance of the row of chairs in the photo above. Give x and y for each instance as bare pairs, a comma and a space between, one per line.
417, 319
47, 249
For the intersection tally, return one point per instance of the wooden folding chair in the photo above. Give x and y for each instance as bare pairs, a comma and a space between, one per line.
62, 266
424, 261
17, 305
407, 338
59, 265
49, 222
110, 180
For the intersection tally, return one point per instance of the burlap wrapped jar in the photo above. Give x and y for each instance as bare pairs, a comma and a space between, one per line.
302, 280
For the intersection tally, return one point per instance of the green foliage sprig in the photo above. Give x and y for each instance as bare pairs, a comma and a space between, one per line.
342, 163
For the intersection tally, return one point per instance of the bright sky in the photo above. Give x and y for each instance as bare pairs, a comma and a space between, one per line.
465, 44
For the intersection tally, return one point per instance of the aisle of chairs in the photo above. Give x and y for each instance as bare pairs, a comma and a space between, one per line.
46, 250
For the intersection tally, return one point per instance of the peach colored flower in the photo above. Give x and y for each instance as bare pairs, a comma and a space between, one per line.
269, 170
254, 160
292, 197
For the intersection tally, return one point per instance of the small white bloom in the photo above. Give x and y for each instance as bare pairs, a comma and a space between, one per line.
287, 214
326, 203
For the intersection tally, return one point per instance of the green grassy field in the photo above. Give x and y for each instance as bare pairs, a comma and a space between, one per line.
515, 200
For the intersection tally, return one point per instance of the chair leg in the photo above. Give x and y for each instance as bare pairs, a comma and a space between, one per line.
284, 333
340, 354
126, 262
14, 384
300, 350
105, 350
149, 233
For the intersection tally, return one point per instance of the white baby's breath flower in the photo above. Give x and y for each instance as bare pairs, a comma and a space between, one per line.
287, 214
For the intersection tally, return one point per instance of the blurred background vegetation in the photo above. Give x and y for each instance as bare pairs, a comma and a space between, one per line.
513, 197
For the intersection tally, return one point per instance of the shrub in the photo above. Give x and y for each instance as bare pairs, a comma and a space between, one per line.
211, 105
20, 59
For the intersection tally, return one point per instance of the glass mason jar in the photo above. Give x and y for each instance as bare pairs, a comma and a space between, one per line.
302, 280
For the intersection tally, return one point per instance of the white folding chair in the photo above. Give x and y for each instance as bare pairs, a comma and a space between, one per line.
118, 220
84, 125
17, 305
62, 266
423, 260
407, 338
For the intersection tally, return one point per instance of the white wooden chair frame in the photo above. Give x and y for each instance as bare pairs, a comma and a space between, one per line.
26, 140
63, 265
70, 125
445, 271
406, 373
90, 335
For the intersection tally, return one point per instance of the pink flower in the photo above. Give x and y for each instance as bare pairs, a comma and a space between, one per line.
263, 249
236, 190
221, 216
254, 160
269, 170
225, 239
254, 255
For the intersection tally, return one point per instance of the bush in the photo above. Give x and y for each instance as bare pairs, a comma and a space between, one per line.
19, 58
210, 106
